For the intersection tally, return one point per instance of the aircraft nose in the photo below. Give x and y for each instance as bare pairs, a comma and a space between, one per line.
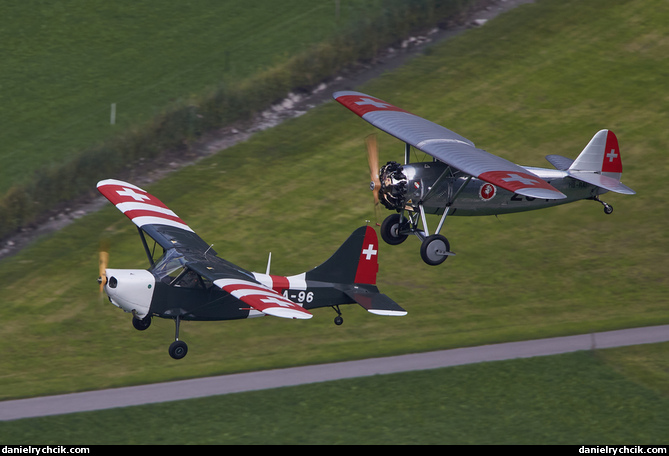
131, 290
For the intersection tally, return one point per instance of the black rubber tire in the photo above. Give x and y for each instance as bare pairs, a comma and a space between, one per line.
178, 349
430, 248
390, 230
141, 324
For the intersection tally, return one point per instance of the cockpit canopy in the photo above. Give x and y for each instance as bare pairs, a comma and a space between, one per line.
171, 269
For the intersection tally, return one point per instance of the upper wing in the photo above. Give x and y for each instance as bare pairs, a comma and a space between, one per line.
447, 146
138, 205
152, 216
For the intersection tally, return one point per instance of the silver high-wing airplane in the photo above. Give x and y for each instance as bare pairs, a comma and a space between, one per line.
465, 180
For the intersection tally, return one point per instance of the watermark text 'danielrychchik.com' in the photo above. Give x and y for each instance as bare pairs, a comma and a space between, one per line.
43, 449
622, 449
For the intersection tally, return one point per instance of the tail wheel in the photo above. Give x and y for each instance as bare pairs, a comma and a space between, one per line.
434, 249
390, 230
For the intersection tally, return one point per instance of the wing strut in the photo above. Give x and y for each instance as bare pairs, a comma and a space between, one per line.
146, 246
450, 203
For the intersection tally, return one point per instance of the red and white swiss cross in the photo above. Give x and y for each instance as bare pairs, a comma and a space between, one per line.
361, 104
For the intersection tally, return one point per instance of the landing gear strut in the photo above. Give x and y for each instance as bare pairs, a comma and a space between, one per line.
607, 207
178, 348
434, 249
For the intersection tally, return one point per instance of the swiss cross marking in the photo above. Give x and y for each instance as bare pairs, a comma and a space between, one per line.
612, 155
518, 178
369, 252
133, 194
369, 101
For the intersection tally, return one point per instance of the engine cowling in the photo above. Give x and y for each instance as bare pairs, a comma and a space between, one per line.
394, 184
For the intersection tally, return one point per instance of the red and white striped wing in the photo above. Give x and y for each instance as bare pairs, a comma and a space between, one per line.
263, 299
138, 205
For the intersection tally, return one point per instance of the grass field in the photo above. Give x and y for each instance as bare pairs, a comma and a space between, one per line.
541, 79
64, 65
569, 399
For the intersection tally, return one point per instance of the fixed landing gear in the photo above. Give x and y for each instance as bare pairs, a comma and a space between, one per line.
339, 320
390, 229
434, 249
608, 209
141, 324
178, 349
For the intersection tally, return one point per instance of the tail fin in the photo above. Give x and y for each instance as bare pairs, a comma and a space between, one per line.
602, 154
351, 270
355, 262
600, 163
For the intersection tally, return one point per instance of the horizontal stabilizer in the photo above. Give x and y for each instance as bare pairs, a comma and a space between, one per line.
560, 162
605, 182
374, 302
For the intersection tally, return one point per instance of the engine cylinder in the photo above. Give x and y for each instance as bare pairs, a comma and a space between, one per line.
392, 193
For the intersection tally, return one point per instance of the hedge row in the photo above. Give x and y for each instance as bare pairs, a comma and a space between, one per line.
23, 204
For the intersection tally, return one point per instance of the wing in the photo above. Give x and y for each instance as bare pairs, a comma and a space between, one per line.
153, 217
263, 298
138, 205
447, 146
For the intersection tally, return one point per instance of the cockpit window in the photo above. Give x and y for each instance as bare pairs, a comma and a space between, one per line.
191, 279
171, 269
169, 266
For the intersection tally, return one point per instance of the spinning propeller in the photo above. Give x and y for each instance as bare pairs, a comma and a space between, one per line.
373, 159
103, 261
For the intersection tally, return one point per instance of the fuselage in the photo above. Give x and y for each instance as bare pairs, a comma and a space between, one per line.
189, 296
479, 197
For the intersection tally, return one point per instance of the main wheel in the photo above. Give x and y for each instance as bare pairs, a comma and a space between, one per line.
390, 230
141, 324
178, 349
434, 249
338, 320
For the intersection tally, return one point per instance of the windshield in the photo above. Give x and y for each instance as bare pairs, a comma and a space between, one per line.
169, 265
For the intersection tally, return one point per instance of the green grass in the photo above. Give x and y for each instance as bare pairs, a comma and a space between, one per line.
532, 82
64, 65
567, 399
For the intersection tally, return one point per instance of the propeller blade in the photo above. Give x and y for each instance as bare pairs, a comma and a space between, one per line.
103, 261
373, 160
